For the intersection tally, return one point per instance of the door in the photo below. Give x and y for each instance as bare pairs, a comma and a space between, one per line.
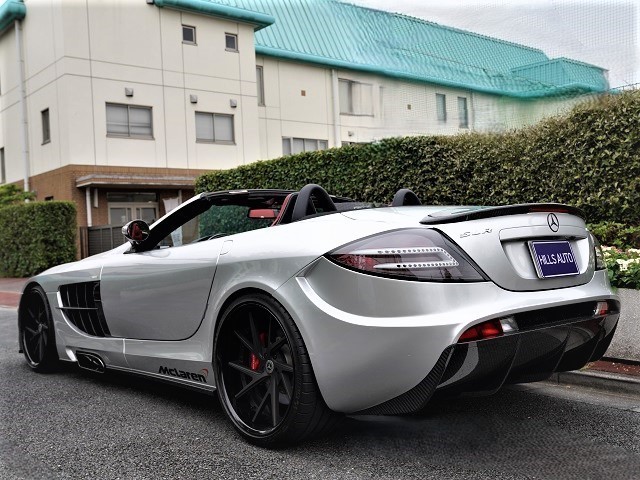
160, 294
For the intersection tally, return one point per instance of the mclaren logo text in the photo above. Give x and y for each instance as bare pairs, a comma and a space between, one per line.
174, 372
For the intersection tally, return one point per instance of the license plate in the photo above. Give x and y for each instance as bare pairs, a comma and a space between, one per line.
553, 258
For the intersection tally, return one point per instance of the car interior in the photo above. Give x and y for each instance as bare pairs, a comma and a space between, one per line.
225, 213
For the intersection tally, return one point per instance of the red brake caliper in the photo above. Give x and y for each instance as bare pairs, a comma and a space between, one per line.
255, 361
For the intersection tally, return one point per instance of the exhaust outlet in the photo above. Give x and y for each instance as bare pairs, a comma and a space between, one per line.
90, 361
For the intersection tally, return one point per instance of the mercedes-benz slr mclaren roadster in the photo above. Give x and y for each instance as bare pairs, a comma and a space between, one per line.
298, 306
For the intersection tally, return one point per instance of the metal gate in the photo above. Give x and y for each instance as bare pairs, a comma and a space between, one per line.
94, 240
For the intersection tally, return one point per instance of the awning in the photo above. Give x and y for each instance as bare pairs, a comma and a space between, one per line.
136, 181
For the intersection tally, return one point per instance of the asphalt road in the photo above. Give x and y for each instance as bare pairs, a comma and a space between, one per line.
78, 425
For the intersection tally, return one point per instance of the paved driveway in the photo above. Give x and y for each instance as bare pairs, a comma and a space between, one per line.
77, 425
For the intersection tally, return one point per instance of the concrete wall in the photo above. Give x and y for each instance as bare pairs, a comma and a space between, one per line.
80, 56
299, 103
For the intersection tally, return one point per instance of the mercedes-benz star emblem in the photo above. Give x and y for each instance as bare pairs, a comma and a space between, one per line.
270, 366
552, 221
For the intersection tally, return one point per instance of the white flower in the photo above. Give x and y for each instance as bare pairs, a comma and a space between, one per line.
624, 264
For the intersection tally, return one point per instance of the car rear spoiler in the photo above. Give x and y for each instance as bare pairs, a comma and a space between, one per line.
477, 213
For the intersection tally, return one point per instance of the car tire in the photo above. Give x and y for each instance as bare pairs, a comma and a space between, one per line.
264, 377
36, 332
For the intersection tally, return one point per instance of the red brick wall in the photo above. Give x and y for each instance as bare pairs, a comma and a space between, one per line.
61, 185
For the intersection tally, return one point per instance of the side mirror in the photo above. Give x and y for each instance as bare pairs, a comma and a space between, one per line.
136, 231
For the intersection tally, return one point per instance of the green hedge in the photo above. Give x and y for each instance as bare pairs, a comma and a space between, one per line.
589, 158
35, 236
617, 234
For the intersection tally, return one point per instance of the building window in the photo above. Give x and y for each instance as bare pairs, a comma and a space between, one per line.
292, 145
463, 113
355, 98
124, 207
129, 121
260, 85
46, 127
188, 34
214, 128
231, 42
441, 107
3, 173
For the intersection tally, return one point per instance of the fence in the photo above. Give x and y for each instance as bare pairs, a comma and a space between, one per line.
94, 240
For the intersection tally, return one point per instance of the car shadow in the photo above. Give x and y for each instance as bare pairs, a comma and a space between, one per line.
504, 435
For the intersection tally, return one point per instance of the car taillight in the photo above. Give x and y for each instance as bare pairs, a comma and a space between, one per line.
489, 329
602, 308
412, 254
599, 255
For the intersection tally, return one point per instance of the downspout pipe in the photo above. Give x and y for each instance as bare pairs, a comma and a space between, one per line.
336, 108
88, 204
24, 123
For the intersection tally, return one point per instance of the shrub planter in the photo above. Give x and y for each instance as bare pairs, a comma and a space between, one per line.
626, 341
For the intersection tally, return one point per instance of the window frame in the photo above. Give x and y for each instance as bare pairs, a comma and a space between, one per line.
45, 118
441, 113
350, 99
197, 206
304, 143
129, 134
235, 37
213, 118
193, 29
463, 112
260, 85
133, 208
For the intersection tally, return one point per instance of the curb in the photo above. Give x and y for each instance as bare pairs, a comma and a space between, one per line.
610, 382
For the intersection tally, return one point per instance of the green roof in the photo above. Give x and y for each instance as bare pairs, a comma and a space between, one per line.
341, 35
345, 36
204, 7
10, 11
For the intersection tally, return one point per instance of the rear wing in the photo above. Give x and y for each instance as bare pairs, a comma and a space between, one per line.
477, 213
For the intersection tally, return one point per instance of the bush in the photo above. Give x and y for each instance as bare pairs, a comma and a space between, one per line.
589, 158
623, 267
616, 234
36, 236
10, 194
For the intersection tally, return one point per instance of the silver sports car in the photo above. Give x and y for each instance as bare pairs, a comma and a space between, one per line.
298, 306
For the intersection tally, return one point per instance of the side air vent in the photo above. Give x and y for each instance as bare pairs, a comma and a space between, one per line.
82, 306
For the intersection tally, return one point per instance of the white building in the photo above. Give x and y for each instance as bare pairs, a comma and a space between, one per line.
119, 105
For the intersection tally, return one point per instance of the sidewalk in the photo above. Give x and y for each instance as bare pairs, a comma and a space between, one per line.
607, 374
10, 289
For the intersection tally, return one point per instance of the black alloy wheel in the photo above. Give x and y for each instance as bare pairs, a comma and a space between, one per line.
263, 374
37, 337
